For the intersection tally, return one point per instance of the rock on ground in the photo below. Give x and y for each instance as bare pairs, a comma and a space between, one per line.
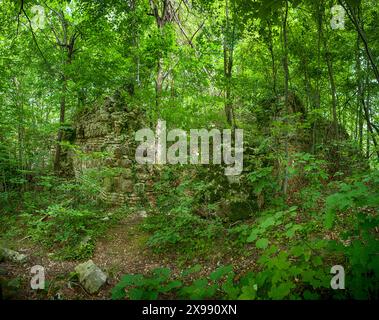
142, 214
90, 276
12, 255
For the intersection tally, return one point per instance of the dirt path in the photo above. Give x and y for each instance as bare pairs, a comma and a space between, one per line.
120, 251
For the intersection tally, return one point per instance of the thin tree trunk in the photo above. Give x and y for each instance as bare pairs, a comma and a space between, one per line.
272, 55
359, 96
329, 63
58, 149
158, 84
307, 84
355, 19
333, 94
161, 19
370, 129
317, 102
228, 66
286, 81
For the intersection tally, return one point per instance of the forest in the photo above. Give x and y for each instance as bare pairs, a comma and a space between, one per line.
189, 149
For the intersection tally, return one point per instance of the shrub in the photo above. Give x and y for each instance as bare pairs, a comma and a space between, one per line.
68, 230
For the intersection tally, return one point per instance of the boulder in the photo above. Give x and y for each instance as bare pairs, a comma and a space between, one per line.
142, 214
12, 255
90, 276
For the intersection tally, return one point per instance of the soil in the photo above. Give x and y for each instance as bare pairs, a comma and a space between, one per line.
119, 251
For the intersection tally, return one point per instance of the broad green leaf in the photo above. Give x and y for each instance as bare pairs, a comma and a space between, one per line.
220, 272
262, 243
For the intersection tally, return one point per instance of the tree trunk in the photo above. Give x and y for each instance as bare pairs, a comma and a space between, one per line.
228, 47
317, 98
286, 81
333, 94
360, 97
270, 46
356, 19
58, 149
356, 22
370, 129
158, 84
161, 18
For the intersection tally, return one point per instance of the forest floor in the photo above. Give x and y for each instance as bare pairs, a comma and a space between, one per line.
288, 243
121, 250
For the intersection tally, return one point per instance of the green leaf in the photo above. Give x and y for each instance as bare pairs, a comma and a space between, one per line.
262, 243
291, 232
270, 221
329, 219
194, 269
317, 261
281, 291
118, 292
136, 294
220, 272
230, 289
150, 295
297, 251
253, 236
310, 295
172, 285
162, 273
248, 293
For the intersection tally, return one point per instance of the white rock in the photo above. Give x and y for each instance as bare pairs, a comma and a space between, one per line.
142, 213
90, 276
12, 255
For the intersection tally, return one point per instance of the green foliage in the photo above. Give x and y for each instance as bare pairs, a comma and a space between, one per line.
177, 226
138, 287
280, 279
159, 285
261, 179
309, 199
353, 196
312, 169
286, 275
269, 221
68, 231
181, 231
314, 134
359, 200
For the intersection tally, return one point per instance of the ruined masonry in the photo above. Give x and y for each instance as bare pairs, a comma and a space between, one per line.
104, 136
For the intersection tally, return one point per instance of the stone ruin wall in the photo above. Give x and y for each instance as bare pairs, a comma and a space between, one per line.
110, 129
